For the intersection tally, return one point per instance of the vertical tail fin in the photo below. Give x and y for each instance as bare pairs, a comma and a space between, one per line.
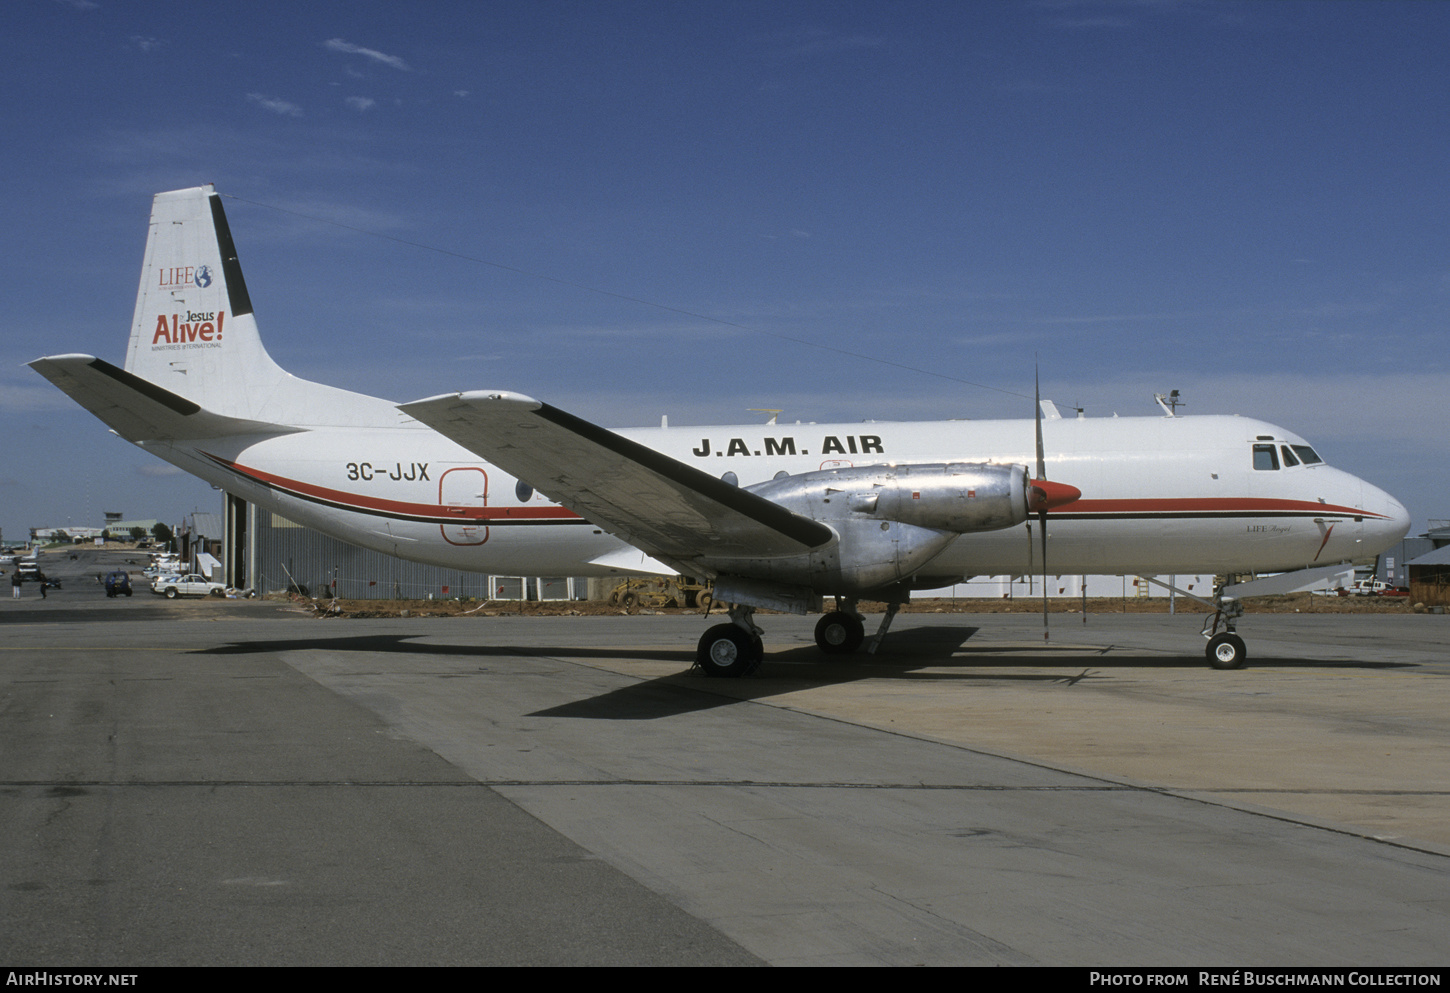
194, 335
193, 332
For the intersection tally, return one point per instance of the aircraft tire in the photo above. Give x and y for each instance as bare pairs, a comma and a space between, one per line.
1226, 651
727, 650
838, 633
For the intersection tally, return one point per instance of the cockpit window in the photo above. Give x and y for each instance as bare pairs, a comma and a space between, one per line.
1289, 459
1306, 454
1265, 457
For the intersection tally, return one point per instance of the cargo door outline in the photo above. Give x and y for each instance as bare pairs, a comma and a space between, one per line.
463, 493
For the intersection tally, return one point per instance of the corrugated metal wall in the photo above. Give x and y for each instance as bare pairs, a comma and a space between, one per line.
288, 555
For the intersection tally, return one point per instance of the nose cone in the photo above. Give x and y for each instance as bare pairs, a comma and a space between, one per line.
1386, 520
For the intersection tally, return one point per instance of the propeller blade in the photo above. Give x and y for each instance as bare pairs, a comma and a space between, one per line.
1042, 523
1037, 397
1043, 491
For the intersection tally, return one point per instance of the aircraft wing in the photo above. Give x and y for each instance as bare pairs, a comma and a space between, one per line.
656, 503
137, 409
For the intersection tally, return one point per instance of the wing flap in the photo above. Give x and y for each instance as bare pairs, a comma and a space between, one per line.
137, 409
656, 503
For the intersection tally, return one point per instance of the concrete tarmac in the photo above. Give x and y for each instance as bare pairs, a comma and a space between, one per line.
230, 782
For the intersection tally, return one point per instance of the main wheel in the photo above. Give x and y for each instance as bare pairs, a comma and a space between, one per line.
839, 633
1226, 651
728, 650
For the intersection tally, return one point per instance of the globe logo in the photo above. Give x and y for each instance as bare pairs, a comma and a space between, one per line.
203, 276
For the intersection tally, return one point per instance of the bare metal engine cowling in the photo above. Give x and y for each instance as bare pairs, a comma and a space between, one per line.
890, 520
956, 496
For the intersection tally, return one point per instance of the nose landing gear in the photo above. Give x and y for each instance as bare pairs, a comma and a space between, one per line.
1225, 649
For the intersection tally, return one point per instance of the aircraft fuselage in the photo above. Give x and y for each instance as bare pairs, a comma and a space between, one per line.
1161, 494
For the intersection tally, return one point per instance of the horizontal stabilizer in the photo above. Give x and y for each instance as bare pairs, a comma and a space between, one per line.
138, 410
656, 503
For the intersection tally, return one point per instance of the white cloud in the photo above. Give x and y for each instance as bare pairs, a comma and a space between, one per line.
360, 103
338, 45
276, 105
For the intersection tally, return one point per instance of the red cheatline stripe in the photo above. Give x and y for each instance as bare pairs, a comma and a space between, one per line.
1208, 505
443, 514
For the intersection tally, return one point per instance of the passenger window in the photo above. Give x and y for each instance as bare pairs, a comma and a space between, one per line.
1265, 457
1289, 459
1307, 455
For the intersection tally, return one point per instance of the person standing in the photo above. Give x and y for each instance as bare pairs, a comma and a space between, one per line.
15, 582
44, 583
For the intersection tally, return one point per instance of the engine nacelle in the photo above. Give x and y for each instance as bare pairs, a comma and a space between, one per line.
890, 521
962, 497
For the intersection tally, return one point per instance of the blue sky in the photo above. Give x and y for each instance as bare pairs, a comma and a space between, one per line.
731, 203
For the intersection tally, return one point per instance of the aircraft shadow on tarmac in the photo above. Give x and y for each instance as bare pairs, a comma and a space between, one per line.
904, 657
411, 644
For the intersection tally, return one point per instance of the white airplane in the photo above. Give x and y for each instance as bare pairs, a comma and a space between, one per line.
777, 516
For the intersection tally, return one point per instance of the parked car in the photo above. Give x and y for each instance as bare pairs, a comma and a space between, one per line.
118, 583
191, 584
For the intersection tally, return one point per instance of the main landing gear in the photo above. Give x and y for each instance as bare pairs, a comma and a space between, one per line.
733, 649
842, 631
839, 632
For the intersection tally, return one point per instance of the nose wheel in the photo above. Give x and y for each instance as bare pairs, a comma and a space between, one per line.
1226, 651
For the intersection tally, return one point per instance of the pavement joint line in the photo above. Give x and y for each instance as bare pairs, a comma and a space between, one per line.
748, 783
